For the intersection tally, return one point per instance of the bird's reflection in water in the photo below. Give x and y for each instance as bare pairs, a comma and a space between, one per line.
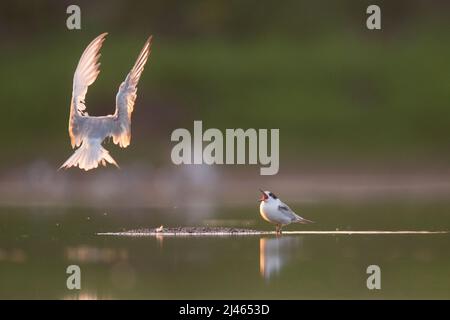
160, 240
87, 295
275, 253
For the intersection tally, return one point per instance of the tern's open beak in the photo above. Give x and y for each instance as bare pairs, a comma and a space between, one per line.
263, 197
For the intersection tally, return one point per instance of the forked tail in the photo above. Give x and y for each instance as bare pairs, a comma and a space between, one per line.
88, 156
303, 220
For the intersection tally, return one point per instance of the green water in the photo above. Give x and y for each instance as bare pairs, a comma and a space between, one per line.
37, 245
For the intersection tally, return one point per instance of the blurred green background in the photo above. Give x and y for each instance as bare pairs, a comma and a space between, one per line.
339, 93
364, 145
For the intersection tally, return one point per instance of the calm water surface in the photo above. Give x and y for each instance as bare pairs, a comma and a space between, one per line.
37, 245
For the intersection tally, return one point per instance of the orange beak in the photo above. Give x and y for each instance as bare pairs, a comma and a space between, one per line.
263, 197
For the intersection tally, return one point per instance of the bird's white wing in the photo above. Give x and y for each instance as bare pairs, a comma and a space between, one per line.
87, 71
289, 213
283, 208
127, 96
85, 74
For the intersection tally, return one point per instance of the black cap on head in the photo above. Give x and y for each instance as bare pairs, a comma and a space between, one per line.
272, 195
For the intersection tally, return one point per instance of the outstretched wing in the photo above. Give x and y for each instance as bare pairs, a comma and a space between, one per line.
85, 74
126, 97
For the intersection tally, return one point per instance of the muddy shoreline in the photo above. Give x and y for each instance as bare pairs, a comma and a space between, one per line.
187, 231
225, 231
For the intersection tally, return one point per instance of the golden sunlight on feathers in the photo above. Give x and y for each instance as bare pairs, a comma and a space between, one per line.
88, 133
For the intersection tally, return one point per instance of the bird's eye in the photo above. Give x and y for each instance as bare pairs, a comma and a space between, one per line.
272, 195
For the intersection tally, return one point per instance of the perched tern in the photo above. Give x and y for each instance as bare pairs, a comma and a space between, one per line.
275, 211
88, 133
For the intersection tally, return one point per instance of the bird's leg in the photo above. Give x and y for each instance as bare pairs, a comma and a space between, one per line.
278, 229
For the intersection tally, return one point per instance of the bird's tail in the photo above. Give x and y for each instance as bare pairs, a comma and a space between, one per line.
88, 156
303, 220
